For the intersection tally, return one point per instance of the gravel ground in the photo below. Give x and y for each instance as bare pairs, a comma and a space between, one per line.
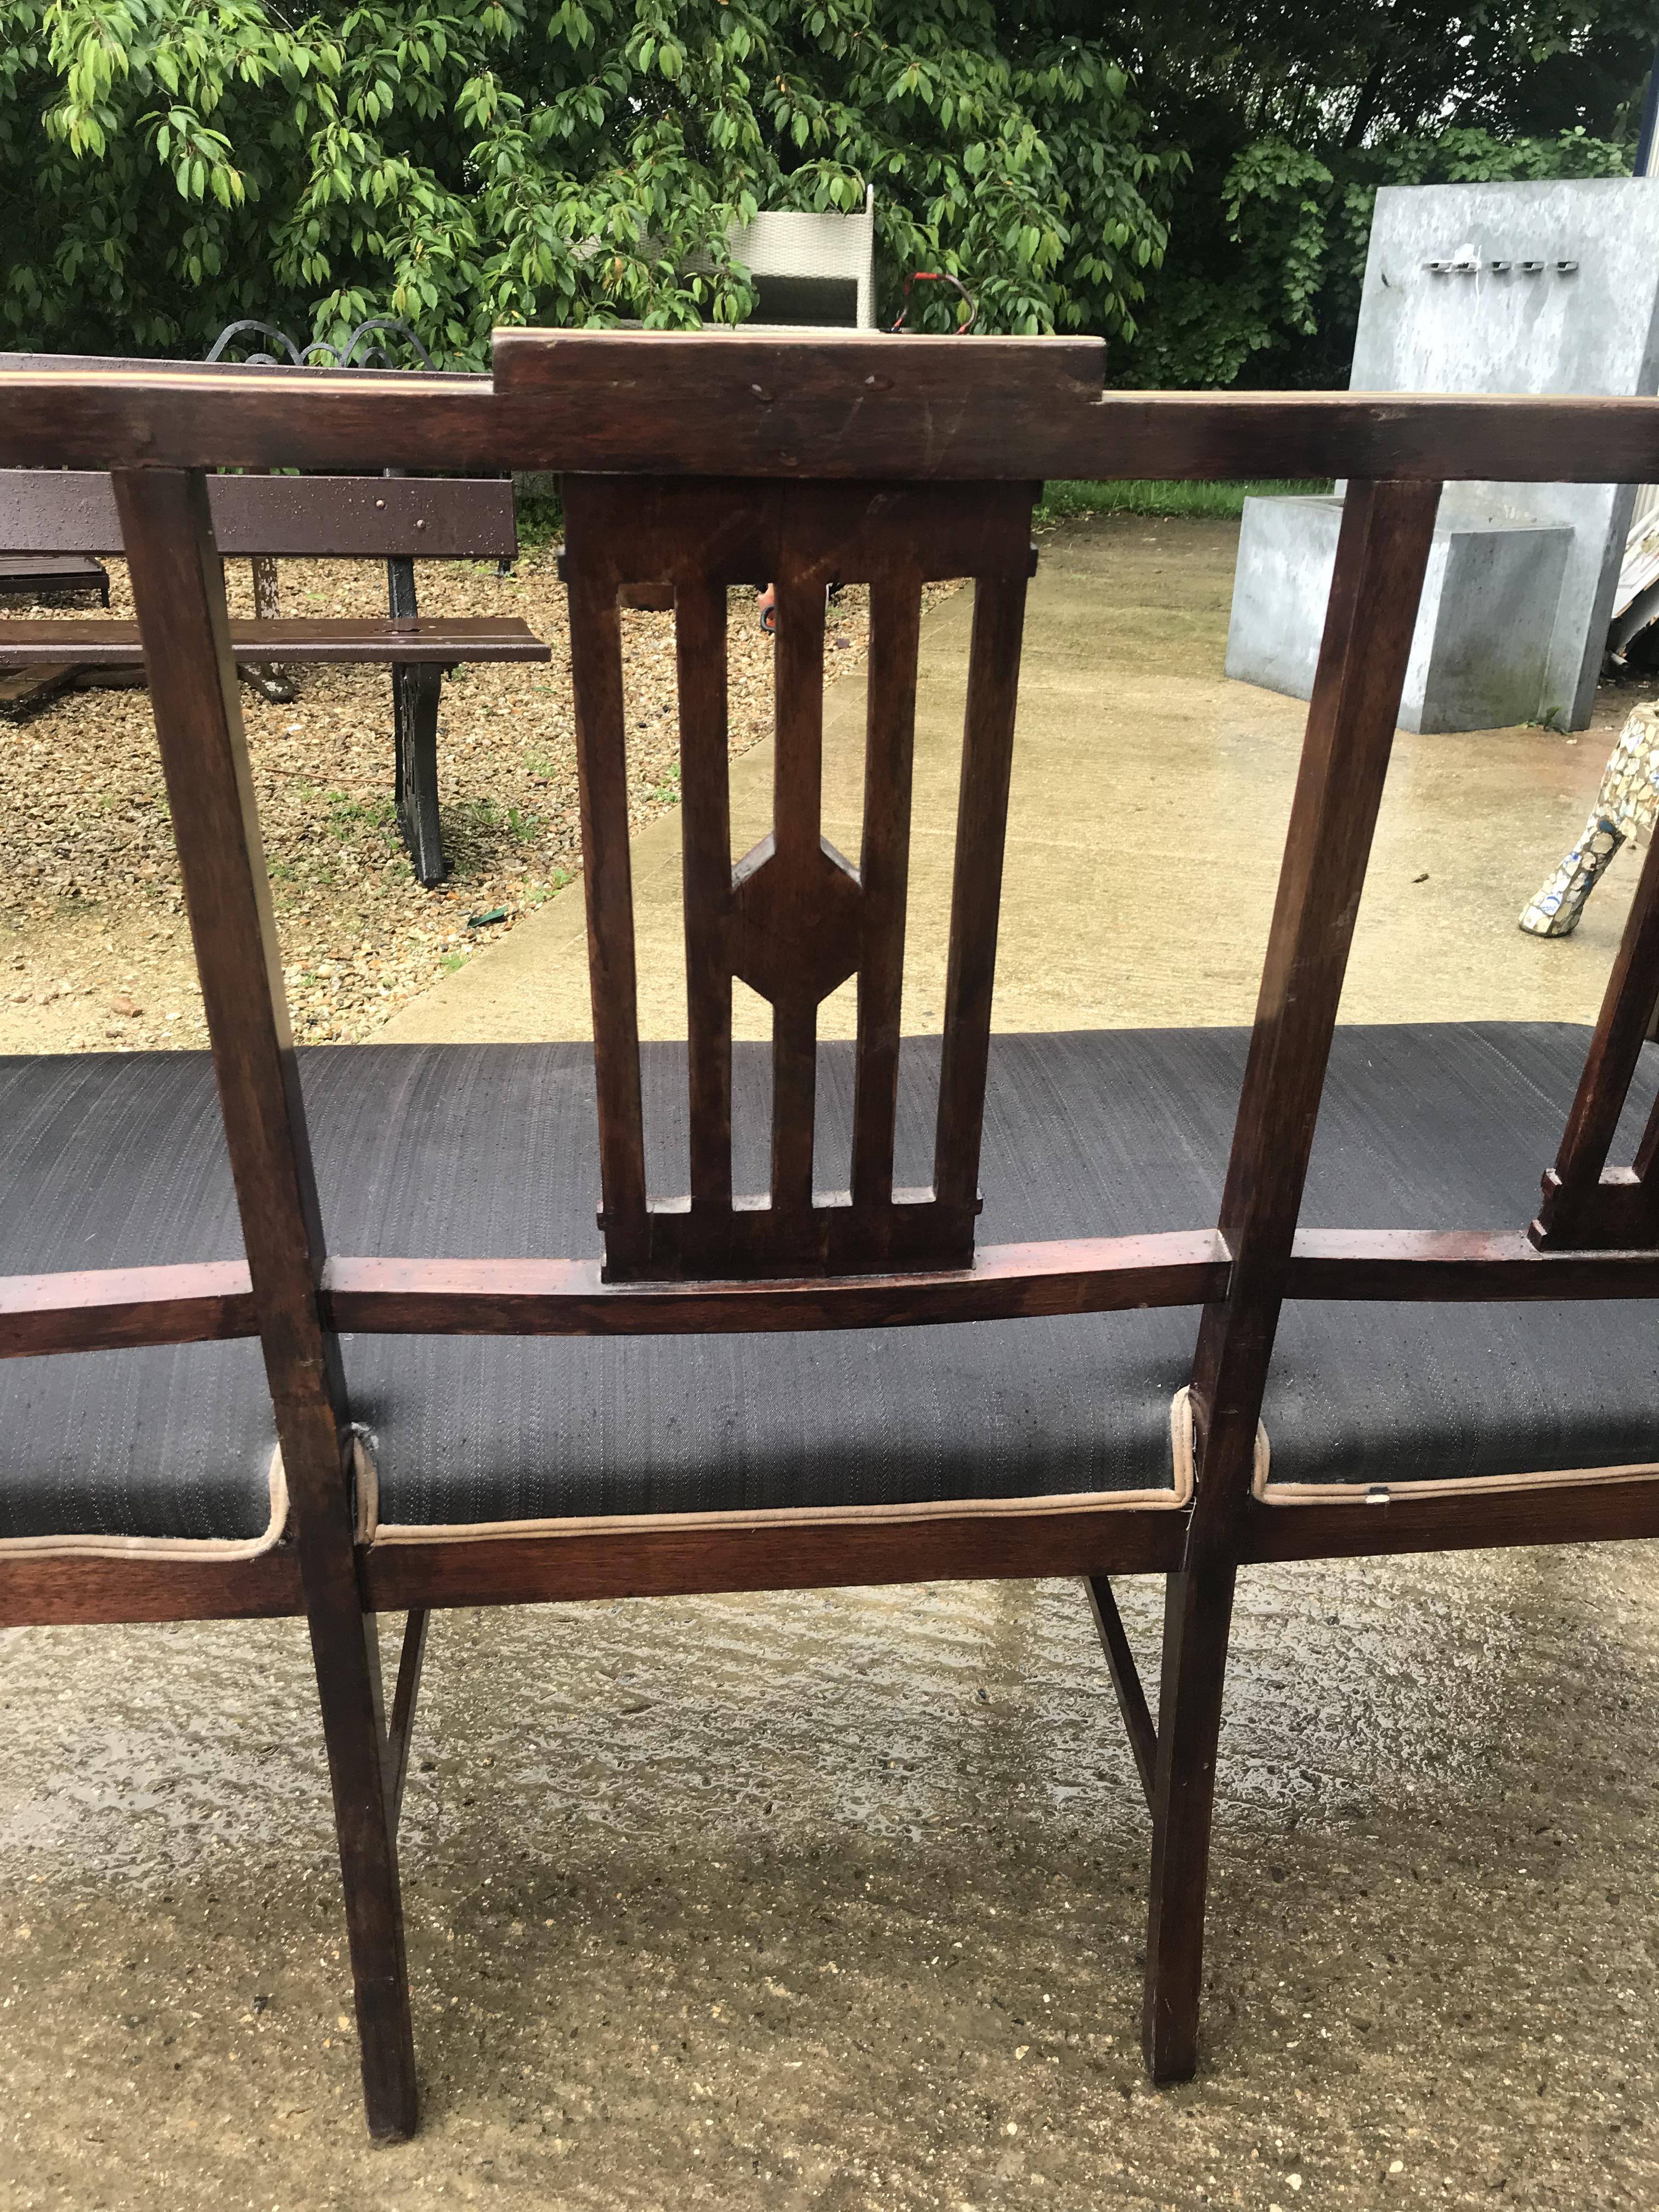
94, 946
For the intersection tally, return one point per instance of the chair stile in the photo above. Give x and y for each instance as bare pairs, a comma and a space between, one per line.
794, 918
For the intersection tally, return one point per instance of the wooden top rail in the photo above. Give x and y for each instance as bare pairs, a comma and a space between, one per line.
335, 517
861, 405
442, 640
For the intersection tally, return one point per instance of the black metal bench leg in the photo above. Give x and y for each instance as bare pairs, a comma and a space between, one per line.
416, 689
1197, 1616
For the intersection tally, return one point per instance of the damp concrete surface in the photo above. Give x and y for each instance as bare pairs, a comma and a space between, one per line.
836, 1900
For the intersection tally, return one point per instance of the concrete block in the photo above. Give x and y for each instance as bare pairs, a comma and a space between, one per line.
1480, 651
1536, 288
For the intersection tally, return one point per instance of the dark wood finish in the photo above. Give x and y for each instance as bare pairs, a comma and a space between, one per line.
1047, 1539
885, 883
794, 919
442, 640
1197, 1616
179, 589
566, 1297
706, 865
1126, 1680
1481, 1266
842, 405
202, 1303
400, 1728
607, 885
53, 575
976, 890
101, 1308
1607, 1507
78, 1585
1585, 1202
792, 1552
23, 689
340, 517
318, 379
1381, 554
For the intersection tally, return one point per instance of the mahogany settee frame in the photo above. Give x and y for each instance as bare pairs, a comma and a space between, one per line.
975, 424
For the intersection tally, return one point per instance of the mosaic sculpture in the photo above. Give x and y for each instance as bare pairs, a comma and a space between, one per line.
1626, 805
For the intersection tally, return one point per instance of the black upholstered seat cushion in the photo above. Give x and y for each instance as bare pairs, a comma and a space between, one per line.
459, 1150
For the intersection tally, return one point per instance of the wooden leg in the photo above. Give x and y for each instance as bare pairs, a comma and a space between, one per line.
416, 689
177, 588
349, 1687
401, 1728
1197, 1614
1126, 1681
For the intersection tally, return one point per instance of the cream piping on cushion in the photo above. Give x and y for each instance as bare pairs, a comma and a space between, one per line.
1360, 1493
1181, 1442
1473, 1486
365, 1485
794, 1516
164, 1547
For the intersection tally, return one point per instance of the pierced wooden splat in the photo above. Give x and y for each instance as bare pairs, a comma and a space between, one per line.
794, 919
1587, 1205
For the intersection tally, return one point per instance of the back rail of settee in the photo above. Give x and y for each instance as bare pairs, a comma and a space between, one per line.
853, 406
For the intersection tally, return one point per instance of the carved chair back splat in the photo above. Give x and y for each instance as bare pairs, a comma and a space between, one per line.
794, 919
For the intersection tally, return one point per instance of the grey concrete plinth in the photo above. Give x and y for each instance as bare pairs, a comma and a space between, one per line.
1540, 289
1480, 651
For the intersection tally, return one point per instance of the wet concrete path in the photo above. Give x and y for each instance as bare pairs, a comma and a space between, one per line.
836, 1901
1146, 816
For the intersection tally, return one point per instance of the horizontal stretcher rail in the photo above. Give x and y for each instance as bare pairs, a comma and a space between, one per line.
104, 1308
440, 639
101, 1309
1451, 1266
848, 406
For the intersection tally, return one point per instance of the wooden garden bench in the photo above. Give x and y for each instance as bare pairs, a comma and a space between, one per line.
60, 513
1162, 1302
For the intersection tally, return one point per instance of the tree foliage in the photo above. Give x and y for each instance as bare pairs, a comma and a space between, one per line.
1294, 112
172, 165
1190, 177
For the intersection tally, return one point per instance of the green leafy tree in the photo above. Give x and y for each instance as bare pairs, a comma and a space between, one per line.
1294, 112
171, 165
1191, 179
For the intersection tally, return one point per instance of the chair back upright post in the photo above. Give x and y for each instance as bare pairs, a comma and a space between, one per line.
1382, 557
1587, 1206
178, 583
795, 918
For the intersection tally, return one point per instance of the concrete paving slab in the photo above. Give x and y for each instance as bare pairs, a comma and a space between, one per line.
835, 1904
1148, 809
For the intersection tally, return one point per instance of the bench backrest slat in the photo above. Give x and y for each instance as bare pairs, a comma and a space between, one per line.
345, 518
795, 918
